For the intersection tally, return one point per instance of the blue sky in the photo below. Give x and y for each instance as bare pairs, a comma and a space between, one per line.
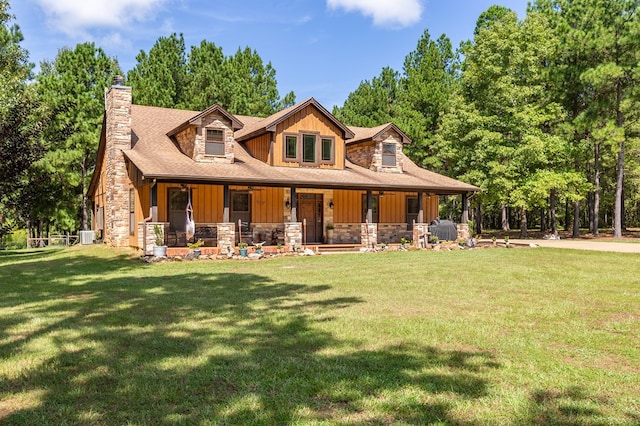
321, 48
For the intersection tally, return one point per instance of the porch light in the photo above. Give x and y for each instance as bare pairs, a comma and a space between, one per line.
287, 204
331, 204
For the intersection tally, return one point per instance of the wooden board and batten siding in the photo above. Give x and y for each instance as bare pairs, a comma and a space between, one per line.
313, 121
392, 208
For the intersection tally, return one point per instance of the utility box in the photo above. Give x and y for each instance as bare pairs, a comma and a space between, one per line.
87, 237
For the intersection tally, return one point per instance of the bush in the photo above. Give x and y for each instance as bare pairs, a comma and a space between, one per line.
16, 240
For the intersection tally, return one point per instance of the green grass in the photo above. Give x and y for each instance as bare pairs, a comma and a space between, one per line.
523, 336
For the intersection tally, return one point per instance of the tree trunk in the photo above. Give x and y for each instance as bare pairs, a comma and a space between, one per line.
478, 222
617, 213
523, 223
576, 219
543, 220
596, 190
505, 218
552, 212
40, 232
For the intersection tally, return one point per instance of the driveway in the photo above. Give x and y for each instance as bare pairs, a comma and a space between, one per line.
580, 244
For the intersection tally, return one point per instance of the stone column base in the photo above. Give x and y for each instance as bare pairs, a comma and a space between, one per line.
463, 231
226, 236
293, 235
369, 234
420, 235
147, 236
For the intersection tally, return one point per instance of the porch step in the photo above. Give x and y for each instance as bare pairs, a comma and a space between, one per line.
336, 248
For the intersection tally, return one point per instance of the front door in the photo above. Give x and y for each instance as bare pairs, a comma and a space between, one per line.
178, 199
310, 208
241, 211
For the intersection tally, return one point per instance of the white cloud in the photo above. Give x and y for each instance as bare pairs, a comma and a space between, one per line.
73, 16
400, 13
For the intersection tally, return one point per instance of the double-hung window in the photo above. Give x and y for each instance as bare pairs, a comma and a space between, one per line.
309, 149
388, 154
214, 142
291, 148
309, 154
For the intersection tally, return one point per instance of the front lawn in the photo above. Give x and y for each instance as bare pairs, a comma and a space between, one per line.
524, 336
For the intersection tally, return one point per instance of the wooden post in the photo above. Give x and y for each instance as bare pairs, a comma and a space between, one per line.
226, 202
294, 205
420, 218
465, 209
369, 217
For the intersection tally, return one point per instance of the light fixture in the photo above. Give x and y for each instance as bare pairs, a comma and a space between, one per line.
287, 204
331, 204
381, 193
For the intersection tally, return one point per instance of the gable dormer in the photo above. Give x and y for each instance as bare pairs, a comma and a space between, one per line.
303, 135
378, 148
208, 137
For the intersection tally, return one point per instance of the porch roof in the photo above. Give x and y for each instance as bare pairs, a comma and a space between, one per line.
156, 156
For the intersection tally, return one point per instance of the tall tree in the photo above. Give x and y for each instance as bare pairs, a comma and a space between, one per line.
21, 115
159, 77
427, 85
242, 83
74, 85
374, 102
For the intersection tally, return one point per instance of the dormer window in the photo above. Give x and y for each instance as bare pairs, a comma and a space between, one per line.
389, 154
214, 142
309, 149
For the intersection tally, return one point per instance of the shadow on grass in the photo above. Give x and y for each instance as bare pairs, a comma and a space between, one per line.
192, 348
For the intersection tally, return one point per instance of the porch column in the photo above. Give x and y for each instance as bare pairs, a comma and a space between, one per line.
294, 205
369, 217
154, 202
420, 218
225, 202
465, 209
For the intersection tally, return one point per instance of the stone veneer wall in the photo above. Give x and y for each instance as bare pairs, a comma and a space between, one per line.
420, 235
218, 121
361, 154
389, 136
392, 232
265, 231
226, 235
369, 234
463, 231
117, 139
293, 235
150, 235
187, 141
346, 233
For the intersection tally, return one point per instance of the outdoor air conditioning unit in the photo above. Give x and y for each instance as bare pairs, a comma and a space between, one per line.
87, 237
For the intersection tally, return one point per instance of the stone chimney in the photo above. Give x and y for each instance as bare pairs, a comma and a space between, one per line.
117, 139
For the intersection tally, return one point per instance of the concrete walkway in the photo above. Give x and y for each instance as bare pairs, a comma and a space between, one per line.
580, 244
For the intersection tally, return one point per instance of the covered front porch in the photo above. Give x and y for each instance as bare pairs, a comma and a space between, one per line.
290, 217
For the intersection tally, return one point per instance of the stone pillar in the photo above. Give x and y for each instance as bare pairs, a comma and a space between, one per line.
147, 235
293, 234
463, 231
369, 234
420, 235
226, 235
117, 139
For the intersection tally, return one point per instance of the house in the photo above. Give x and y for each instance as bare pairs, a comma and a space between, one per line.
292, 178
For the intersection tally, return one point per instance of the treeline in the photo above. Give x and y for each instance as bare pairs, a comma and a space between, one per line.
50, 122
540, 112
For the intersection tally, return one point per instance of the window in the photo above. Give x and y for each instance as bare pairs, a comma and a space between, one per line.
132, 211
214, 142
412, 211
327, 150
374, 208
241, 210
308, 148
291, 148
388, 154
